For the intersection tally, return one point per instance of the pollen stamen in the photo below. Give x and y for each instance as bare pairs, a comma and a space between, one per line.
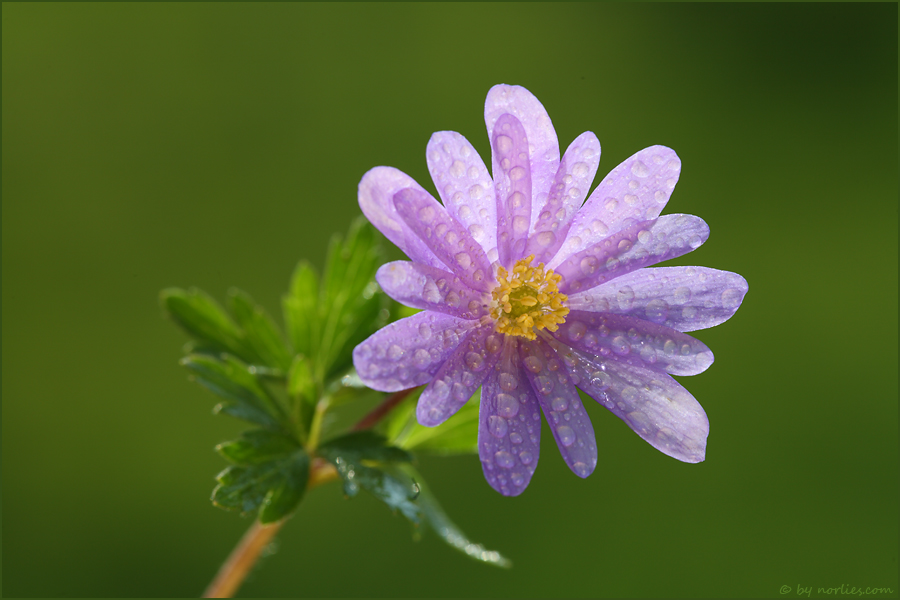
528, 300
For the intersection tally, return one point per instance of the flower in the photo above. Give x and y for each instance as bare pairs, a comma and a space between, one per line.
528, 294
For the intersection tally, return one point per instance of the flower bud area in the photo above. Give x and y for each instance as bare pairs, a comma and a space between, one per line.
528, 299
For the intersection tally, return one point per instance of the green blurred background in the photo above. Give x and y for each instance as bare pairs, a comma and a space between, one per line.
156, 145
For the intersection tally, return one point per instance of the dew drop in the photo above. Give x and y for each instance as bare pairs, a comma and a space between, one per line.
460, 392
566, 435
620, 345
422, 358
426, 214
731, 298
497, 426
577, 331
424, 331
588, 265
515, 438
639, 169
476, 192
545, 238
457, 169
504, 459
520, 225
474, 361
533, 364
508, 382
507, 406
492, 344
395, 352
526, 457
681, 295
559, 404
657, 310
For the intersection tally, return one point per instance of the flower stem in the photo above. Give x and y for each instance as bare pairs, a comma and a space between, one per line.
241, 560
381, 411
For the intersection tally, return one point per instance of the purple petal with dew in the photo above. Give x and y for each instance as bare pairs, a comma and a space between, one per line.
633, 341
465, 186
509, 425
683, 298
445, 237
460, 376
408, 352
376, 199
636, 190
543, 145
570, 186
640, 245
562, 406
428, 288
653, 404
512, 182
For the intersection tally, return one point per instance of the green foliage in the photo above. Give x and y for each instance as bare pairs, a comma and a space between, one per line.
284, 385
363, 460
437, 520
272, 486
244, 397
327, 322
458, 435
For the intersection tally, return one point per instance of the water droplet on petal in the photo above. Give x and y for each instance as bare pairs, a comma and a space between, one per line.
474, 361
395, 352
508, 382
545, 238
498, 426
682, 295
566, 435
577, 331
639, 169
559, 404
533, 364
526, 457
422, 358
731, 298
515, 438
507, 406
657, 310
504, 459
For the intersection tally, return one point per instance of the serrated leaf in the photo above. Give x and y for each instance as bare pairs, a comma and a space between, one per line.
257, 446
258, 332
274, 487
351, 304
457, 435
300, 379
364, 461
203, 319
300, 307
437, 520
244, 397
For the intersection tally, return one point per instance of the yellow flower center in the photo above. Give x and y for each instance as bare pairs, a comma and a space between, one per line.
528, 299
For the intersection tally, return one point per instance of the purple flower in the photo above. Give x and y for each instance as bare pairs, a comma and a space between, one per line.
528, 294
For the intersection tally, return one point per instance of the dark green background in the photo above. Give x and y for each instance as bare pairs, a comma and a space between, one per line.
152, 145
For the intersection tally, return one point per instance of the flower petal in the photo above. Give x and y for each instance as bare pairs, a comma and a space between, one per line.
509, 428
428, 288
376, 199
634, 341
465, 186
562, 406
460, 376
636, 190
683, 298
445, 237
410, 351
570, 186
543, 145
653, 404
637, 246
512, 182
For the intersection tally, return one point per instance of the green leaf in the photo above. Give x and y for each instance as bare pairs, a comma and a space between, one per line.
273, 487
300, 380
244, 397
364, 461
300, 307
259, 332
257, 446
436, 519
351, 305
457, 435
203, 319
